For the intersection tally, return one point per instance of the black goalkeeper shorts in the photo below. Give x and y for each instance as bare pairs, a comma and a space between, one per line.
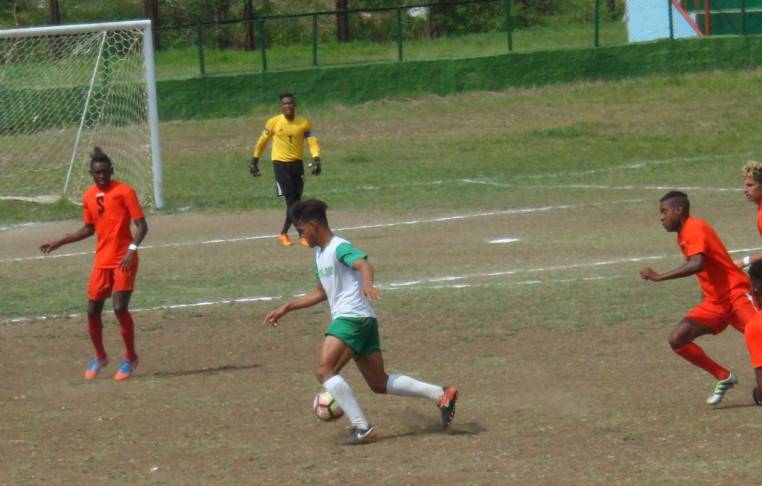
289, 177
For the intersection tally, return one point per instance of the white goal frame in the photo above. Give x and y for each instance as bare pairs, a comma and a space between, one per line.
150, 79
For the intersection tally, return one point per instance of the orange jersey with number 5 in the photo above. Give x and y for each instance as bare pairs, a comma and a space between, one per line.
111, 211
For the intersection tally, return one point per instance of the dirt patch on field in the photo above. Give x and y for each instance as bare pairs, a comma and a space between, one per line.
547, 396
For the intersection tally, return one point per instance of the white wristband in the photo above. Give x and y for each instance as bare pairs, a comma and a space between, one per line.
746, 261
134, 247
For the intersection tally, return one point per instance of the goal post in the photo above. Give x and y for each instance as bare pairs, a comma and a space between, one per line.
65, 89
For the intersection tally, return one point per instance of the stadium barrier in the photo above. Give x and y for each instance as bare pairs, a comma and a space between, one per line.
235, 95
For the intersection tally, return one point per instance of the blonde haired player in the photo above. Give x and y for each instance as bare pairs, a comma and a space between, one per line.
752, 188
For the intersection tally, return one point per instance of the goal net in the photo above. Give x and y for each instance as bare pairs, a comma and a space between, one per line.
66, 89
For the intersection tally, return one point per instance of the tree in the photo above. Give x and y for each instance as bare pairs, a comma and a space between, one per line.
152, 12
612, 7
248, 13
342, 20
55, 13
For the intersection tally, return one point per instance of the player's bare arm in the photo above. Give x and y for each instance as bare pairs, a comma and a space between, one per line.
366, 270
693, 266
747, 260
140, 233
314, 297
85, 231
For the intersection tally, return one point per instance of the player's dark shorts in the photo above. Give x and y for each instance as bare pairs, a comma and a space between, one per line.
289, 177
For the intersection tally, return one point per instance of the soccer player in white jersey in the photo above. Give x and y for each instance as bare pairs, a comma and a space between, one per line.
345, 279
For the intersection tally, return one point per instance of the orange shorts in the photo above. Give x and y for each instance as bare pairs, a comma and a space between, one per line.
737, 311
754, 340
105, 280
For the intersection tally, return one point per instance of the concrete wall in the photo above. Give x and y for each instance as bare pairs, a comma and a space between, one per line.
230, 96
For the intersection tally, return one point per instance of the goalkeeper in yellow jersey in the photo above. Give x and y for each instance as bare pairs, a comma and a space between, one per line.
288, 132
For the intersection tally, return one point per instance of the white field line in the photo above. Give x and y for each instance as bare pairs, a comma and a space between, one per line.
488, 182
523, 186
448, 281
630, 166
452, 278
13, 320
440, 219
614, 168
432, 282
600, 186
640, 165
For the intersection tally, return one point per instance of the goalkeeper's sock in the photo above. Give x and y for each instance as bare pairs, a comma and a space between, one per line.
404, 386
342, 393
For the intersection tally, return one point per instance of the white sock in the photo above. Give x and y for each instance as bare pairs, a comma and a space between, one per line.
404, 386
340, 390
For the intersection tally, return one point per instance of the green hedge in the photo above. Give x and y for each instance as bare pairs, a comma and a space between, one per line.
234, 95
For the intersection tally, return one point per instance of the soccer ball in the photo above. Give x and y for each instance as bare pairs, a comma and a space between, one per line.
326, 408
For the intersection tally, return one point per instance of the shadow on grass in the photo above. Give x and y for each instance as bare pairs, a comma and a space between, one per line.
219, 369
737, 405
470, 428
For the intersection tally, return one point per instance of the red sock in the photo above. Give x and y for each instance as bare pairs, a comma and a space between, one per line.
127, 328
696, 356
95, 329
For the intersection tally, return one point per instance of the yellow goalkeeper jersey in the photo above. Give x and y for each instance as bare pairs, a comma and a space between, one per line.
288, 139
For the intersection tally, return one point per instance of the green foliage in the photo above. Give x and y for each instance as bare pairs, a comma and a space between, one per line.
458, 19
26, 13
528, 13
23, 13
177, 18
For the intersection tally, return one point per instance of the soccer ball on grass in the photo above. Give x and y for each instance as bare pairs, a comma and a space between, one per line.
326, 408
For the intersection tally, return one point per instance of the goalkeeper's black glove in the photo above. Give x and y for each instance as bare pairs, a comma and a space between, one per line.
315, 166
254, 167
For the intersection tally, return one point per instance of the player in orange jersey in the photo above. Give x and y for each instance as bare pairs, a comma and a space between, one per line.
109, 208
752, 188
754, 330
726, 289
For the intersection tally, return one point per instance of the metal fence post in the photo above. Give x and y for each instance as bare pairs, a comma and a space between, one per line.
669, 16
743, 17
200, 44
596, 41
399, 33
262, 47
314, 40
508, 26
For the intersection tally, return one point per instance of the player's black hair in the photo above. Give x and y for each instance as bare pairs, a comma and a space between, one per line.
309, 210
99, 156
677, 198
287, 95
755, 272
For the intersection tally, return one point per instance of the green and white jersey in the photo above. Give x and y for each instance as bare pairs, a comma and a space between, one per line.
342, 283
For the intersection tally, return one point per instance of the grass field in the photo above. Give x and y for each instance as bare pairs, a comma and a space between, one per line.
507, 230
